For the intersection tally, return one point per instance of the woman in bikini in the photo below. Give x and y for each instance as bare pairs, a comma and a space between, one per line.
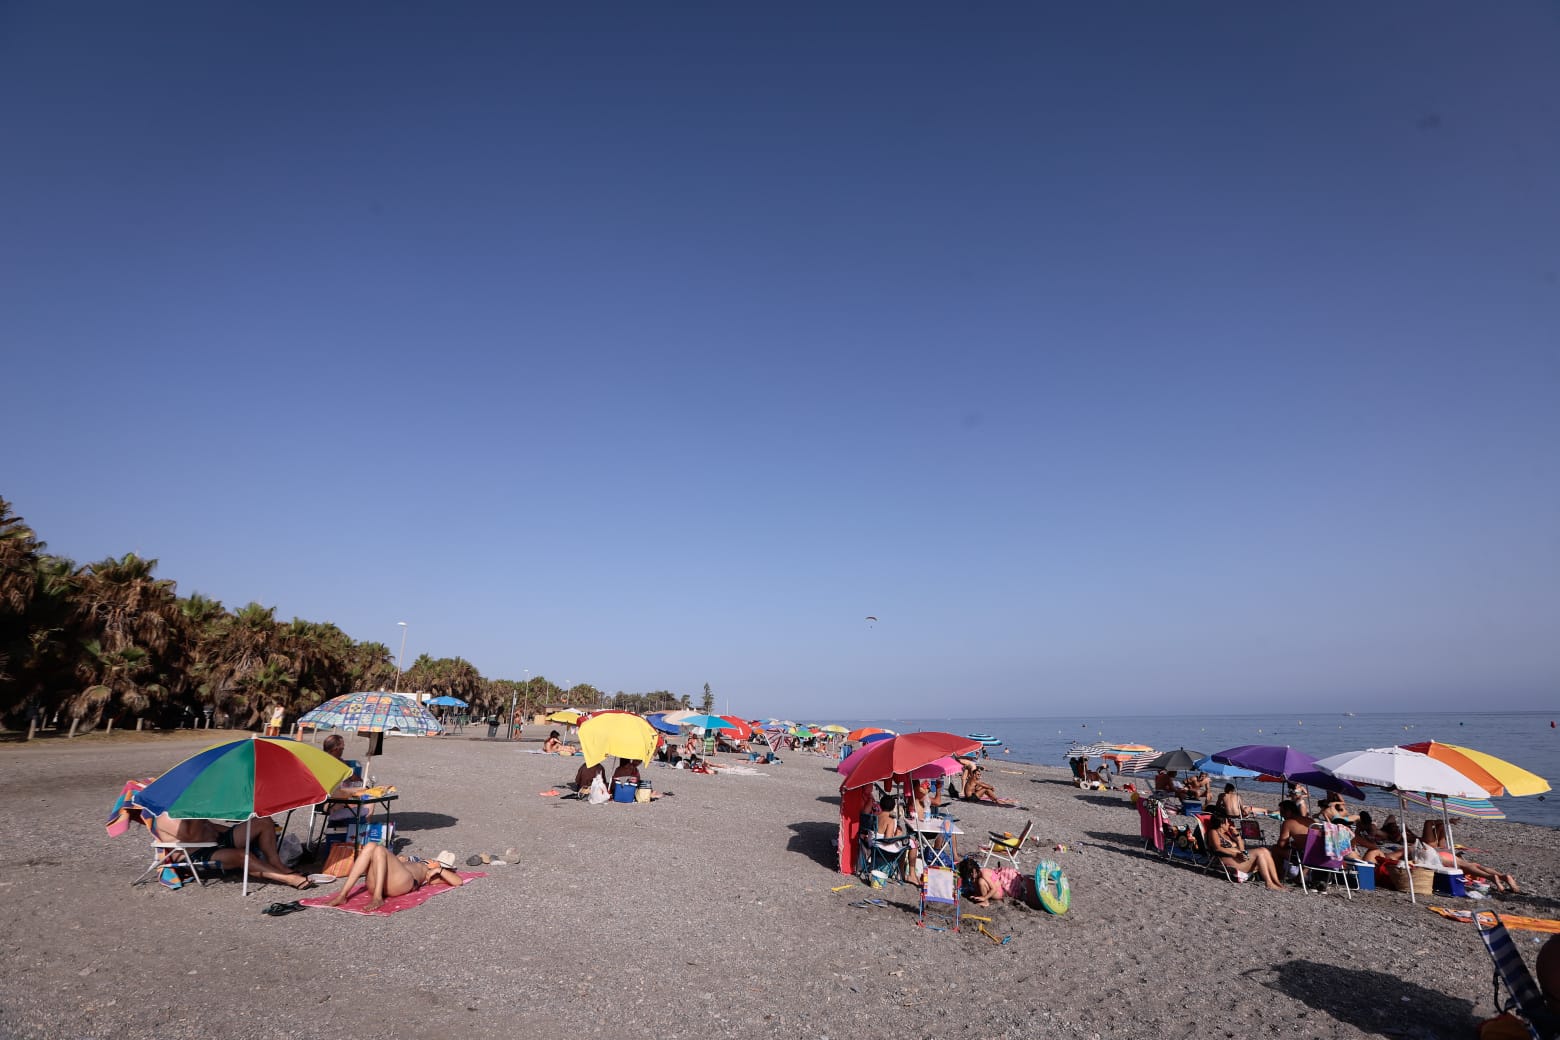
1231, 850
388, 875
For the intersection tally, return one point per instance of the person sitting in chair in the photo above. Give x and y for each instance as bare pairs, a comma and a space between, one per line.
1230, 847
264, 860
387, 875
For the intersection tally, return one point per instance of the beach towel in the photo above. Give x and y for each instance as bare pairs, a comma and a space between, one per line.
1511, 921
1337, 839
395, 904
125, 810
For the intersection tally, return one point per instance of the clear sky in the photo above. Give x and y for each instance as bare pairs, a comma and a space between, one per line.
1116, 357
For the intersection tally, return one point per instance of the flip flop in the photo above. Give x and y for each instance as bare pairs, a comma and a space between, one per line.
283, 909
324, 879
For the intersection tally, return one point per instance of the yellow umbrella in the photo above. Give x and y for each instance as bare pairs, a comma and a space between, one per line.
568, 716
833, 728
618, 734
1495, 775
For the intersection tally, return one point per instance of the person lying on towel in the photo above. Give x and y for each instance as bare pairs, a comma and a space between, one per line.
388, 875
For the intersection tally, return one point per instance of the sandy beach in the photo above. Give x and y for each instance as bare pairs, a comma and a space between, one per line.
706, 913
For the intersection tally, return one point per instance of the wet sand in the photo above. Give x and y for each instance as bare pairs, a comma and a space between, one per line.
706, 913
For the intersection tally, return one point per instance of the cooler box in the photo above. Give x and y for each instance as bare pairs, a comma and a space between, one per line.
1365, 876
624, 790
370, 833
1450, 883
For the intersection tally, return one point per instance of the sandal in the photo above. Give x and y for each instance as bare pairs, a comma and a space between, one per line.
283, 909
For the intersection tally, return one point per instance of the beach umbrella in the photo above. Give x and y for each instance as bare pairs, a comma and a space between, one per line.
1495, 775
898, 756
742, 729
873, 738
1208, 765
1179, 760
865, 731
676, 717
706, 722
566, 716
1475, 808
945, 766
1398, 770
1274, 759
449, 702
370, 712
660, 722
243, 779
618, 734
834, 728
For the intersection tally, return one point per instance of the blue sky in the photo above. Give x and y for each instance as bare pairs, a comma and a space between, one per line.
1135, 357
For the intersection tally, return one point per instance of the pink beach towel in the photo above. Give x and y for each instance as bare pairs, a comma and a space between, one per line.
416, 897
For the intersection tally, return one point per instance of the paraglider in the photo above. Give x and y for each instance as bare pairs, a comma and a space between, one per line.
870, 618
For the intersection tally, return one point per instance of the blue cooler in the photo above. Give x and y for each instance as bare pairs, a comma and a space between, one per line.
1450, 883
1365, 876
624, 790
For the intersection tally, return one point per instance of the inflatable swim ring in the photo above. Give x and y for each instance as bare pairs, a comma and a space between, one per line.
1051, 885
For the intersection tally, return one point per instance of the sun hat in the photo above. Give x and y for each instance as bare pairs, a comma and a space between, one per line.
445, 859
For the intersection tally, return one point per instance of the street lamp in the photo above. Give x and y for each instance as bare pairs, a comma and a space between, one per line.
401, 657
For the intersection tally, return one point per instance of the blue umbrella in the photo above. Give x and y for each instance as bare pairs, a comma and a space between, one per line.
707, 722
448, 702
658, 720
1212, 768
873, 738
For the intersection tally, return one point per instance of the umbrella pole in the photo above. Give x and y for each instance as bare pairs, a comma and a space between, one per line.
247, 837
1446, 827
1405, 863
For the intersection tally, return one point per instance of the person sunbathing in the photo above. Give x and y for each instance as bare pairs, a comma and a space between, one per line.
554, 746
1164, 782
976, 789
387, 875
982, 885
1435, 835
1230, 804
1231, 849
264, 859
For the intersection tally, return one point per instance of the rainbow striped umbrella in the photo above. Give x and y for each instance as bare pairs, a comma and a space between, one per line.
242, 779
1479, 808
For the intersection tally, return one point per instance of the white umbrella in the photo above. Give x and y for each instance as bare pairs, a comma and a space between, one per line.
1399, 769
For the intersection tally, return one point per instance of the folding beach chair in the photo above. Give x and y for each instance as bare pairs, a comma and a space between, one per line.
1151, 825
879, 853
939, 852
940, 887
1526, 1002
1005, 848
1314, 859
171, 859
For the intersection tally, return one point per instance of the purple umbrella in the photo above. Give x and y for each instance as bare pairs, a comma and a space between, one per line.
1281, 760
1272, 759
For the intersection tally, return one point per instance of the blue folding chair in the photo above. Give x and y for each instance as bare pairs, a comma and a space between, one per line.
879, 853
1527, 1003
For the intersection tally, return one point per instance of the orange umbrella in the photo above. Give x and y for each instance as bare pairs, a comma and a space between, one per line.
1495, 775
865, 731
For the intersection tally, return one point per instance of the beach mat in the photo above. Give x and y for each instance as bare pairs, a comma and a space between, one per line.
1511, 921
395, 904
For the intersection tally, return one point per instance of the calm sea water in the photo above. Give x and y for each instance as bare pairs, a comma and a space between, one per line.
1525, 738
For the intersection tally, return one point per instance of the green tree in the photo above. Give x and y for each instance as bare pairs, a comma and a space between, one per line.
707, 702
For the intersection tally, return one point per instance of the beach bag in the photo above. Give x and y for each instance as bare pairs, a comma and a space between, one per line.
1425, 856
598, 791
338, 860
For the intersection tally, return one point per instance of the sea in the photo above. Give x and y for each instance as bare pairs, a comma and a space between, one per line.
1528, 739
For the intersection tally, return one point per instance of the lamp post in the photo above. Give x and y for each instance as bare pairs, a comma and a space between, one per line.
401, 657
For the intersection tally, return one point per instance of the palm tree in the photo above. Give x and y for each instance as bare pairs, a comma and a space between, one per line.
128, 620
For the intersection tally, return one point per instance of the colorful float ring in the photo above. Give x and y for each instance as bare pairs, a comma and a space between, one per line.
1052, 887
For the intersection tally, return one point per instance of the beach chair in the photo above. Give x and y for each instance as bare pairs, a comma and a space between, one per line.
1151, 825
1526, 1002
940, 888
878, 853
939, 852
1005, 848
1251, 831
172, 859
1314, 859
